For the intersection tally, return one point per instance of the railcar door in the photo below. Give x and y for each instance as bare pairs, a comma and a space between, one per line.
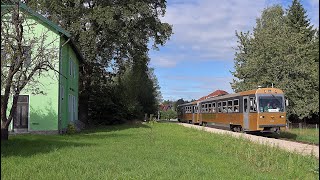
246, 109
193, 114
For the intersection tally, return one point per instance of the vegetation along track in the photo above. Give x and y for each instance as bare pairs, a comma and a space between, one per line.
297, 147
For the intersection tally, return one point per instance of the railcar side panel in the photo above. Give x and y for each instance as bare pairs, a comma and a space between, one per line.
253, 124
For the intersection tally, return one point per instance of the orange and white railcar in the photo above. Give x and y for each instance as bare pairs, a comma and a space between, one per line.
242, 111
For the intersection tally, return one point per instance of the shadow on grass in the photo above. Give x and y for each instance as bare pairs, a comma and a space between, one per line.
111, 128
282, 135
27, 146
168, 121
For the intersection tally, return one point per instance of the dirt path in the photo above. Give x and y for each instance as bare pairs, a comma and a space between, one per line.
304, 149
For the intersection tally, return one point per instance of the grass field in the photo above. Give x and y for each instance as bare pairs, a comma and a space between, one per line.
309, 135
148, 151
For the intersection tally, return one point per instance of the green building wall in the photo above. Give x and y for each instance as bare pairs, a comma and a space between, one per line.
68, 83
50, 111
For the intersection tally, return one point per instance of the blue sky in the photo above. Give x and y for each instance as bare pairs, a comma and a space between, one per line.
198, 58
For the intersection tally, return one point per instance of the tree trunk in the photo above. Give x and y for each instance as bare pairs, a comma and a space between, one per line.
4, 134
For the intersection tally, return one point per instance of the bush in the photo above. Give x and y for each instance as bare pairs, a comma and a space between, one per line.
71, 129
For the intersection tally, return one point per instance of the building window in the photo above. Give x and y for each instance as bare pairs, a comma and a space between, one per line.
72, 68
62, 92
73, 108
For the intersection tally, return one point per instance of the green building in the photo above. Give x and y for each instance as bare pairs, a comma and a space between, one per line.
56, 104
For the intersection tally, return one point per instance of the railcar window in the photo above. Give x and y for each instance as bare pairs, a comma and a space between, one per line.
210, 107
253, 105
236, 105
230, 109
224, 106
219, 107
214, 107
271, 103
206, 108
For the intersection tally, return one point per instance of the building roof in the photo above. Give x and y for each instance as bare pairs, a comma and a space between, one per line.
51, 24
214, 94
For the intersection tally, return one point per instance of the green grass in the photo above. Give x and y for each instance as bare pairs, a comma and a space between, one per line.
310, 135
150, 151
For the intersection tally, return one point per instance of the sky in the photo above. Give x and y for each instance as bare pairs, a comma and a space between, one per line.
199, 57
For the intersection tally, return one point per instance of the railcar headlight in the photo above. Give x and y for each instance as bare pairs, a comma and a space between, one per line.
261, 116
281, 116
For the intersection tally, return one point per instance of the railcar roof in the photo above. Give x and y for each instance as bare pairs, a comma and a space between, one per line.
243, 93
221, 97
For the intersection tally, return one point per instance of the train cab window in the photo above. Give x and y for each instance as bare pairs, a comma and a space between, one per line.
214, 107
219, 107
236, 105
253, 105
210, 107
230, 108
224, 106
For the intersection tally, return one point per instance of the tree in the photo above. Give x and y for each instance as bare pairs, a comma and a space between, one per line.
177, 103
275, 54
167, 115
298, 21
110, 34
19, 68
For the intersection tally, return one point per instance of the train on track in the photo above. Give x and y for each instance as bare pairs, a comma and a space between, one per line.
262, 109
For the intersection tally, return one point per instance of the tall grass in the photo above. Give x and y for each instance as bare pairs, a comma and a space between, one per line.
308, 135
148, 151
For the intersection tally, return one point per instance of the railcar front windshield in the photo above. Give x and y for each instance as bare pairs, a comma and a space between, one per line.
271, 103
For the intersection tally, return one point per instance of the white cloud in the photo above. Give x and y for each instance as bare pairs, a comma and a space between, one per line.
161, 61
197, 86
207, 27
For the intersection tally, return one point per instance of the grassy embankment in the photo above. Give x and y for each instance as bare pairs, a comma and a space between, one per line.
148, 151
308, 135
